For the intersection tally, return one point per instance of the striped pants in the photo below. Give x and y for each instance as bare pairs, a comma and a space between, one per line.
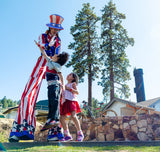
25, 123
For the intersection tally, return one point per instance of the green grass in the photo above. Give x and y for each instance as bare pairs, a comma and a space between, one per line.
49, 148
3, 137
88, 149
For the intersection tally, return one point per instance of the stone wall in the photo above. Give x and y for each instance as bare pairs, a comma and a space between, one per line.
128, 128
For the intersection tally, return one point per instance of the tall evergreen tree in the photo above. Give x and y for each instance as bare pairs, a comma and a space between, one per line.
84, 59
115, 62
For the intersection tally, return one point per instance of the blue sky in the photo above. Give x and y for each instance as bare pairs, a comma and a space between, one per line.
21, 22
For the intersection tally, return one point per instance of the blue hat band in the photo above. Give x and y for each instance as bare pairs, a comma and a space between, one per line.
54, 25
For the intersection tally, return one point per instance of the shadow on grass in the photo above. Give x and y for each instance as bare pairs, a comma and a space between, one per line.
2, 147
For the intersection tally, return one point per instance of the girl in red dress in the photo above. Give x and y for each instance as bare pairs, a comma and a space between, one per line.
71, 107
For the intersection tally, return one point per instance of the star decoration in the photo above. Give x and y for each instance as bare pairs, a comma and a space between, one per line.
21, 128
15, 125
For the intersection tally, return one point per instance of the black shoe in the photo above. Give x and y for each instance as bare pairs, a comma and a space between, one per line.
50, 124
13, 139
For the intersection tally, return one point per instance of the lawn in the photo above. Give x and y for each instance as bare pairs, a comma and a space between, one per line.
87, 149
61, 148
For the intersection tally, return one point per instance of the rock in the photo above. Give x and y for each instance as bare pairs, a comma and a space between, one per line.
110, 135
142, 123
92, 132
142, 136
100, 137
115, 127
142, 129
142, 117
126, 119
157, 133
132, 122
118, 134
149, 121
149, 130
134, 128
132, 136
100, 129
120, 120
126, 126
156, 121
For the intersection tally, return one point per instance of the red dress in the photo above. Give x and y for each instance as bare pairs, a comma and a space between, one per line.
71, 103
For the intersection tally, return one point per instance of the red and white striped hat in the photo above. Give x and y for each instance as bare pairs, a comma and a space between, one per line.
55, 21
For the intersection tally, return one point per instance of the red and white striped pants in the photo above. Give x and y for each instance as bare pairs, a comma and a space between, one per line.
24, 124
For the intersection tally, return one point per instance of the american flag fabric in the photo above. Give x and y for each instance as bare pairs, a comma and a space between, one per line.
25, 123
56, 21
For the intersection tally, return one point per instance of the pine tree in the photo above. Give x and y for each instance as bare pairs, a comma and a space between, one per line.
4, 102
114, 42
84, 59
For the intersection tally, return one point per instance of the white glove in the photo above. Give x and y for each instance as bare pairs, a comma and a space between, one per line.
53, 40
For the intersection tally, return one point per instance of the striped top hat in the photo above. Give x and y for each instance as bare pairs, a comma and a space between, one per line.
55, 21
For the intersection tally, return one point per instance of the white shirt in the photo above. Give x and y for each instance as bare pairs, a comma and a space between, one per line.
69, 95
53, 65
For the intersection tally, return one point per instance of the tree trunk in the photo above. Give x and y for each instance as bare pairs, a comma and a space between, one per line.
112, 84
90, 87
111, 64
89, 69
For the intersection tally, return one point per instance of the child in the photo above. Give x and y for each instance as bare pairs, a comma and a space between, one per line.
53, 73
71, 107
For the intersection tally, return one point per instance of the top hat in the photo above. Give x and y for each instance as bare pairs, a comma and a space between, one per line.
55, 21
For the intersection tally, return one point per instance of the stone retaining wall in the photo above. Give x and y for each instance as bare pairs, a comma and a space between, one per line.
128, 128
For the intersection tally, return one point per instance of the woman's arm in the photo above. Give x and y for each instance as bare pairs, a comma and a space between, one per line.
55, 65
41, 41
42, 51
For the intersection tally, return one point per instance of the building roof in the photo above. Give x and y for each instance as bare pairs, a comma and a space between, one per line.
148, 103
10, 109
1, 115
134, 104
40, 105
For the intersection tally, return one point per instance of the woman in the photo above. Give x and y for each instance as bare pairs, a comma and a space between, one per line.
24, 125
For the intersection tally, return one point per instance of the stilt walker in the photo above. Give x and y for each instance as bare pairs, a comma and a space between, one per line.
24, 125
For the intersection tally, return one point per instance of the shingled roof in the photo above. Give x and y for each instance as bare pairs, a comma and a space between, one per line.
134, 104
148, 103
40, 105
